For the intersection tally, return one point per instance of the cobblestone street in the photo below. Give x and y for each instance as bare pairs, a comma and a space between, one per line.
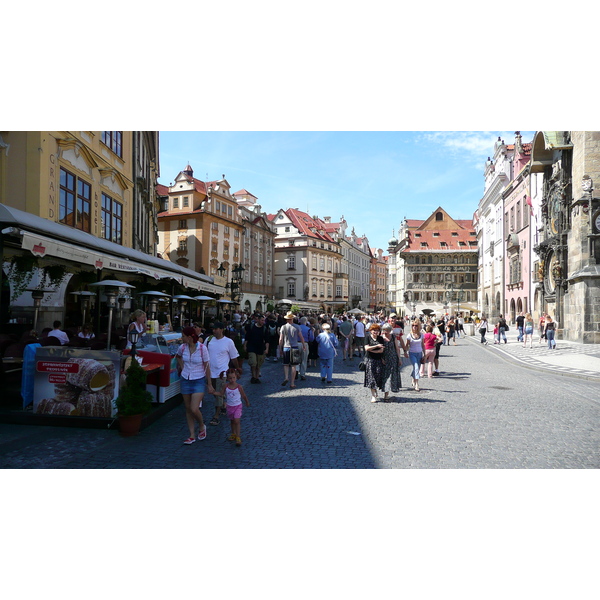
482, 412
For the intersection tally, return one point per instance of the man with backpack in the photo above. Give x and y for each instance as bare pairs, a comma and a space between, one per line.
502, 328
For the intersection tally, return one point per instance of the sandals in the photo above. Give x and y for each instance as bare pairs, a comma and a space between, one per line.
285, 381
214, 421
292, 387
189, 441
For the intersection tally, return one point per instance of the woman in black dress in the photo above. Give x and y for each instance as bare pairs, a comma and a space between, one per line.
374, 364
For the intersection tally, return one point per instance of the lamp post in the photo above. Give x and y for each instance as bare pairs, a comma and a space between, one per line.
234, 287
134, 336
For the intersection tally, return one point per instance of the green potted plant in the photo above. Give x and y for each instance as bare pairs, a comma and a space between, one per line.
133, 400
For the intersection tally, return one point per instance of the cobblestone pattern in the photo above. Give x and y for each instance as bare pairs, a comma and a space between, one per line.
480, 413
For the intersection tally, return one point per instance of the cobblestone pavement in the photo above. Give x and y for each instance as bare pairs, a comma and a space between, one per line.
482, 412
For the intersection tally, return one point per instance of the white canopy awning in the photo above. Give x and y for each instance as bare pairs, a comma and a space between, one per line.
44, 237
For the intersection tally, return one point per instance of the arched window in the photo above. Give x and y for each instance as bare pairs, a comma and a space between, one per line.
439, 216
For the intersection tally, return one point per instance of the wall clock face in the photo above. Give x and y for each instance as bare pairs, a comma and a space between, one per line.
597, 222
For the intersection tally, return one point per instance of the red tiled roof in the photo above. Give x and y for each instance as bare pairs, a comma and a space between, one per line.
433, 240
303, 222
244, 192
162, 190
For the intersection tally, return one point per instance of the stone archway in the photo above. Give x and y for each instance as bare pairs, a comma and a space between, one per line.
512, 310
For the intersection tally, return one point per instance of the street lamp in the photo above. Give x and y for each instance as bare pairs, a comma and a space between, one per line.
134, 336
234, 287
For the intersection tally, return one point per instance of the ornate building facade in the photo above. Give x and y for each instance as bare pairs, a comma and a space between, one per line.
437, 259
568, 247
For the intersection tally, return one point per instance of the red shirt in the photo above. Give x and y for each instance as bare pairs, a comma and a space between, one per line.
430, 340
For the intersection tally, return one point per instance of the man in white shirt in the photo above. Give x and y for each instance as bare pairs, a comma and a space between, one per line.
221, 350
359, 337
57, 333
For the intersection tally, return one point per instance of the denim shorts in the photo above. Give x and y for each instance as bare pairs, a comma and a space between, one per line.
193, 386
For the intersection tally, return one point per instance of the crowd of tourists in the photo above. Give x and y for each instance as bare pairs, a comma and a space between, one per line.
210, 358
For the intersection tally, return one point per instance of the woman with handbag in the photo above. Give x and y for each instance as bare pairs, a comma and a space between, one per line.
416, 351
290, 337
373, 361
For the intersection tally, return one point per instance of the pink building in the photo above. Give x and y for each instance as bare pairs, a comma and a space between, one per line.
517, 218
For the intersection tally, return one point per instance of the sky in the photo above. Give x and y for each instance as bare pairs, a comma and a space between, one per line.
373, 178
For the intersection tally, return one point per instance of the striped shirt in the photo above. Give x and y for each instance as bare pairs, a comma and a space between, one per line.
193, 364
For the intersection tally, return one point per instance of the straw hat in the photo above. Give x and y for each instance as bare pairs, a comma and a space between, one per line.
325, 326
289, 316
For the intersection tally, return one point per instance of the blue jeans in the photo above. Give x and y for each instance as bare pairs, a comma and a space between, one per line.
415, 359
501, 333
326, 368
520, 336
550, 338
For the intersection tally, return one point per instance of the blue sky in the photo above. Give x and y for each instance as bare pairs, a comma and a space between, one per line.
373, 179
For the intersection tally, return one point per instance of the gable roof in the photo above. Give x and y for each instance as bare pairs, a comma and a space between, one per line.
303, 222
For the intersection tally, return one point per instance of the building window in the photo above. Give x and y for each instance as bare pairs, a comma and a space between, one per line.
175, 202
214, 226
74, 202
186, 201
291, 288
291, 263
114, 140
182, 223
287, 229
338, 291
112, 220
183, 245
230, 211
226, 229
217, 206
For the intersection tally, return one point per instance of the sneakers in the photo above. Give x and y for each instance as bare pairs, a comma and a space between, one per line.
322, 379
202, 434
238, 441
373, 398
189, 441
330, 382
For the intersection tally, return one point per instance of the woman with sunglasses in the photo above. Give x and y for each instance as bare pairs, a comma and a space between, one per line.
416, 351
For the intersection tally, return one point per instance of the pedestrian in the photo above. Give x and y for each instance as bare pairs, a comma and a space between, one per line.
393, 348
256, 344
313, 346
305, 329
437, 330
273, 336
450, 331
520, 323
234, 393
416, 351
483, 329
346, 334
542, 327
223, 354
430, 339
502, 328
550, 331
528, 331
327, 344
359, 337
374, 366
290, 339
193, 362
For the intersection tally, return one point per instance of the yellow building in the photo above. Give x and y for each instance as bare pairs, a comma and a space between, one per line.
85, 204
